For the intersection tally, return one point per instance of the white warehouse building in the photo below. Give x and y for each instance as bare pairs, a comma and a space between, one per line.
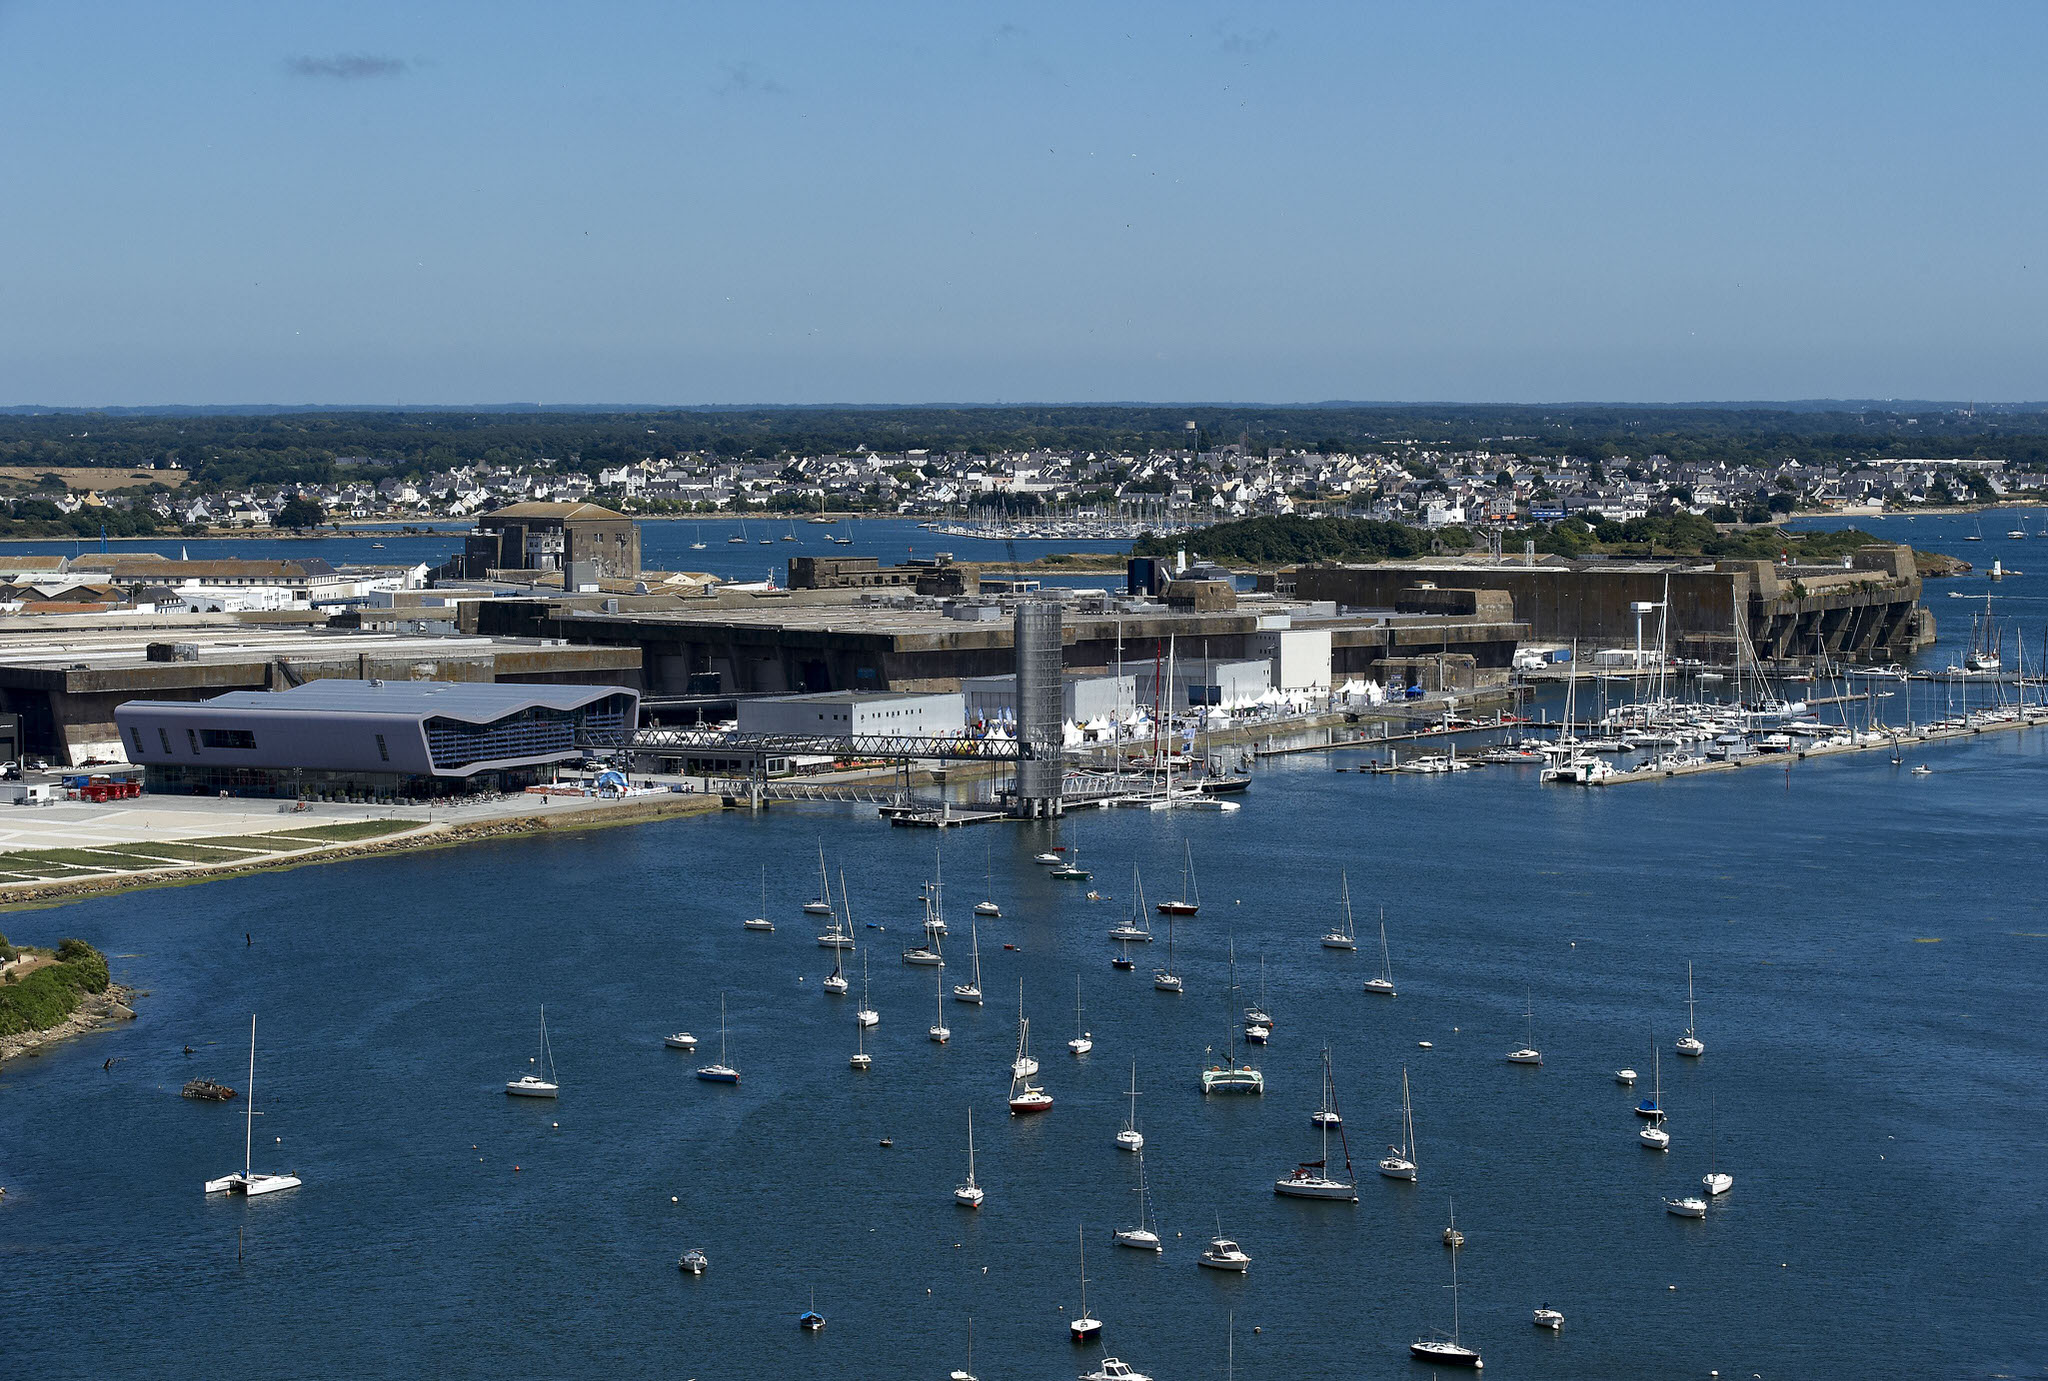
843, 714
1083, 699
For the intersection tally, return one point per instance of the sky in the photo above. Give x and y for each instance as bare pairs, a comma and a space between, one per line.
703, 203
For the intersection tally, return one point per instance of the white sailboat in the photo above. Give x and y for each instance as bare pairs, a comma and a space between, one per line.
1230, 1076
1384, 984
533, 1085
940, 1032
1448, 1351
1399, 1161
970, 991
821, 905
1130, 1138
867, 1015
1653, 1136
1717, 1183
1136, 927
987, 907
720, 1073
1025, 1096
835, 981
1145, 1236
1312, 1178
1084, 1326
1259, 1015
247, 1182
1344, 935
860, 1059
969, 1194
1166, 980
1689, 1043
966, 1373
761, 922
931, 953
839, 929
1528, 1054
1082, 1042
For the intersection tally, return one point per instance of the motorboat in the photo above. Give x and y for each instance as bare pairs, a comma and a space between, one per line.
247, 1181
1255, 1034
1625, 1077
681, 1040
1051, 858
694, 1262
1222, 1254
1546, 1317
532, 1085
969, 1194
758, 923
1113, 1370
1690, 1207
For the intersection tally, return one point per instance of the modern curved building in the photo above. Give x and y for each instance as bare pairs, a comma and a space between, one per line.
369, 738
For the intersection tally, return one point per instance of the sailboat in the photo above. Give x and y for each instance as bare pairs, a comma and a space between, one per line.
1312, 1179
1136, 927
1984, 642
790, 536
860, 1059
533, 1085
1259, 1016
1650, 1107
739, 538
1166, 980
1130, 1138
247, 1182
1384, 984
1025, 1096
1448, 1351
988, 908
810, 1321
965, 1373
1716, 1182
1190, 899
1344, 935
930, 954
867, 1015
1528, 1054
1230, 1076
1145, 1236
1024, 1066
935, 915
940, 1032
1654, 1137
761, 922
1399, 1161
1070, 869
720, 1073
970, 991
969, 1194
1082, 1327
821, 905
835, 981
1082, 1042
1690, 1044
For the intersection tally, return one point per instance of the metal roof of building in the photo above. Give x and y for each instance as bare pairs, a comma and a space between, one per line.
553, 510
478, 700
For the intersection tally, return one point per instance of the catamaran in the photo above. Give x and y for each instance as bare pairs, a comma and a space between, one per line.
1312, 1179
969, 1194
1384, 983
1136, 928
247, 1182
1130, 1138
720, 1073
1344, 935
1399, 1161
533, 1085
1689, 1043
1230, 1076
1190, 899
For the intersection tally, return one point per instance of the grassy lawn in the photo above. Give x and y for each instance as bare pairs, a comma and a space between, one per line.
30, 865
350, 830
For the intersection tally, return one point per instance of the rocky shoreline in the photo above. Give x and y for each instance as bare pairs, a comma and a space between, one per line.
97, 1010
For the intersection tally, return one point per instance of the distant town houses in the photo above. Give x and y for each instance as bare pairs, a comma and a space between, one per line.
1400, 481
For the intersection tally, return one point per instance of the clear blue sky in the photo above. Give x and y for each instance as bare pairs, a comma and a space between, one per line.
724, 203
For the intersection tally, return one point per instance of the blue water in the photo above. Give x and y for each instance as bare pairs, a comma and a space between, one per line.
1871, 953
665, 545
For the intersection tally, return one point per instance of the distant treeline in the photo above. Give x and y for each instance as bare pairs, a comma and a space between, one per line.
238, 450
41, 518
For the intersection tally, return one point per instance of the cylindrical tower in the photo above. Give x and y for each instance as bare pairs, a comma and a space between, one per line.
1040, 727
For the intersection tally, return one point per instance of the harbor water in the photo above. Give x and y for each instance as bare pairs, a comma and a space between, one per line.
1870, 950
